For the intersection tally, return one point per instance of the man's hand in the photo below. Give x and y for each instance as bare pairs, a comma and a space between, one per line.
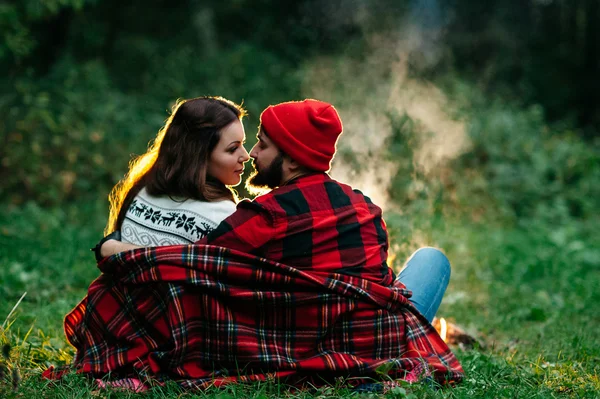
111, 247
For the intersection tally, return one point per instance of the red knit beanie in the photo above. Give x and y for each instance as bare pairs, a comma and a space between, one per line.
305, 130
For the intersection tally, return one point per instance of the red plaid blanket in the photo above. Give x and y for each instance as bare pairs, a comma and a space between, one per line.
206, 315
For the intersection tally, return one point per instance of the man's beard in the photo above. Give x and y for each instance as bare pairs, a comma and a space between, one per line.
266, 178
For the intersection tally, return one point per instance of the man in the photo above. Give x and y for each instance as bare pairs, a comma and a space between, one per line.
293, 285
307, 220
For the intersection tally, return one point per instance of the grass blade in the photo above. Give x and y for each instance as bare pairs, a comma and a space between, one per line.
13, 309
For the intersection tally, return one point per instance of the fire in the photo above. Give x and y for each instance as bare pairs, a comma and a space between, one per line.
443, 328
453, 334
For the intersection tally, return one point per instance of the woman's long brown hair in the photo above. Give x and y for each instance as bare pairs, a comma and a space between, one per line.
176, 162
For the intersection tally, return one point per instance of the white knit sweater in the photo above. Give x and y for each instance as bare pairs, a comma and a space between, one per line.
157, 221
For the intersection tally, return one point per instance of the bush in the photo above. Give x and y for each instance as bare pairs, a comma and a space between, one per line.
60, 141
531, 170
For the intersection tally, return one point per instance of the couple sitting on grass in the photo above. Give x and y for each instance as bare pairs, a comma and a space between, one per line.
292, 286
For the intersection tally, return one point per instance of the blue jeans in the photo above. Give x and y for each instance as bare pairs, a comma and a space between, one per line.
426, 274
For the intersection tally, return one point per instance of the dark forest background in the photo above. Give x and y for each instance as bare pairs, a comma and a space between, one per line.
86, 82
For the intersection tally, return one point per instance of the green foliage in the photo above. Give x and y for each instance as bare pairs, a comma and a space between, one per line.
530, 170
58, 143
20, 24
539, 52
18, 41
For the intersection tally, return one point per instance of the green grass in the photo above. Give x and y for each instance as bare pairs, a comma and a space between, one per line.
526, 290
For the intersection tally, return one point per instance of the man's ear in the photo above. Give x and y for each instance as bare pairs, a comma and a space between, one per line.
290, 164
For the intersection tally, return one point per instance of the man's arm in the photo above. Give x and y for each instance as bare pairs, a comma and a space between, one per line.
112, 247
248, 229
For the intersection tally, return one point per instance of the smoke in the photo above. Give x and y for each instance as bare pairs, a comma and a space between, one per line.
366, 89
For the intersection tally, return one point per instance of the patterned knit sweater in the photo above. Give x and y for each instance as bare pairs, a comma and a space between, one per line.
157, 221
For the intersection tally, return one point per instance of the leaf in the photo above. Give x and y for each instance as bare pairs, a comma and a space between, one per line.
385, 368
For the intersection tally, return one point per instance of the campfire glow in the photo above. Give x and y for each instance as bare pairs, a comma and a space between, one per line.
443, 328
453, 334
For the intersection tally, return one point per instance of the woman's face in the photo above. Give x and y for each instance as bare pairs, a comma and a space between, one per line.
226, 162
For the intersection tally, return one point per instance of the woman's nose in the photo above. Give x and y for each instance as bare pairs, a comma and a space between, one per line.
245, 156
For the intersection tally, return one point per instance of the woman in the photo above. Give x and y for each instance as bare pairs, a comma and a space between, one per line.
180, 189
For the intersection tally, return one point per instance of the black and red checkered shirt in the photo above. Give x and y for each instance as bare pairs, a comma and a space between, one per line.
313, 223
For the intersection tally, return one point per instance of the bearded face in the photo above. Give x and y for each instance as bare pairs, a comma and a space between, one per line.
266, 177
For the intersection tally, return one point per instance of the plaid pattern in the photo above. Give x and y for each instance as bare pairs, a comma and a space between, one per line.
313, 223
206, 315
